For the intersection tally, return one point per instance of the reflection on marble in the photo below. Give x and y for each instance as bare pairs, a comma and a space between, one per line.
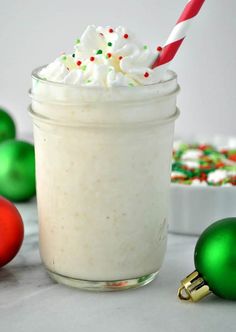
28, 211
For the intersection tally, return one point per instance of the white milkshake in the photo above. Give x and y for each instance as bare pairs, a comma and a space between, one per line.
103, 155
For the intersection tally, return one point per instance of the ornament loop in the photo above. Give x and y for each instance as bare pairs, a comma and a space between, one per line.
193, 288
182, 294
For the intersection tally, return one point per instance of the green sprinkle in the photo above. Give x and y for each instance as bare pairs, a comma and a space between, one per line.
109, 44
131, 84
64, 57
77, 41
83, 67
99, 52
145, 47
89, 81
230, 168
232, 152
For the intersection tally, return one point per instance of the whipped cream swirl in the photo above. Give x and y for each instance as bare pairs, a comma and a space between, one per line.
105, 57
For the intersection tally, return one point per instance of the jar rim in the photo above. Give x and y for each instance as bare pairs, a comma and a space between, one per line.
90, 104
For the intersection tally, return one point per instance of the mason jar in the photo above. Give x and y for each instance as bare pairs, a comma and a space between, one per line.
103, 159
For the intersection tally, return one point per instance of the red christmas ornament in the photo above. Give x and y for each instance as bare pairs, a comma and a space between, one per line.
11, 231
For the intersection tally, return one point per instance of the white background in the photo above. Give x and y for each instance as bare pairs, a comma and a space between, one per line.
33, 33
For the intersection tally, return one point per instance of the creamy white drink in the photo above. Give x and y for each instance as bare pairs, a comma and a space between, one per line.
103, 141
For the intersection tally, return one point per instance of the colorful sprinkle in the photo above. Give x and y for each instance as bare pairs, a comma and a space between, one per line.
203, 164
73, 55
109, 44
232, 157
64, 57
159, 48
84, 67
145, 47
120, 57
146, 75
99, 52
126, 36
79, 63
111, 30
89, 81
92, 58
77, 41
109, 55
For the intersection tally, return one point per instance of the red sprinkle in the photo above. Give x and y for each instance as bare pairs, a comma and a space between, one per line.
109, 55
101, 34
205, 167
111, 30
203, 177
120, 57
219, 165
159, 48
203, 147
232, 157
92, 58
78, 62
126, 35
146, 74
233, 181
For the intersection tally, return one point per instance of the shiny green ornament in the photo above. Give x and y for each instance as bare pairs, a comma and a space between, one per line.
215, 263
17, 170
7, 126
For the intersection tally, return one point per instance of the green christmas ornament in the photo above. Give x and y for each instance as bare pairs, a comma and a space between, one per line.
7, 126
17, 170
215, 263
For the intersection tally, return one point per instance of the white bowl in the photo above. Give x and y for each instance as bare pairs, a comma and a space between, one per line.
193, 208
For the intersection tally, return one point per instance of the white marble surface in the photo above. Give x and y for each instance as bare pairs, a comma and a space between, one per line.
31, 302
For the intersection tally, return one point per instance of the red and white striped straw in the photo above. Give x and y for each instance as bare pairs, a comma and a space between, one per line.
178, 34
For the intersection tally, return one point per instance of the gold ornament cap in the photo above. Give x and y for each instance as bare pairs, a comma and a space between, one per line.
193, 288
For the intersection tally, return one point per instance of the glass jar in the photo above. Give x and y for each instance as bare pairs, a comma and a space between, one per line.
103, 158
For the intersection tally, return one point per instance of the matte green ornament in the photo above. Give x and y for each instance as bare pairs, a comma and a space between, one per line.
17, 170
7, 126
215, 263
